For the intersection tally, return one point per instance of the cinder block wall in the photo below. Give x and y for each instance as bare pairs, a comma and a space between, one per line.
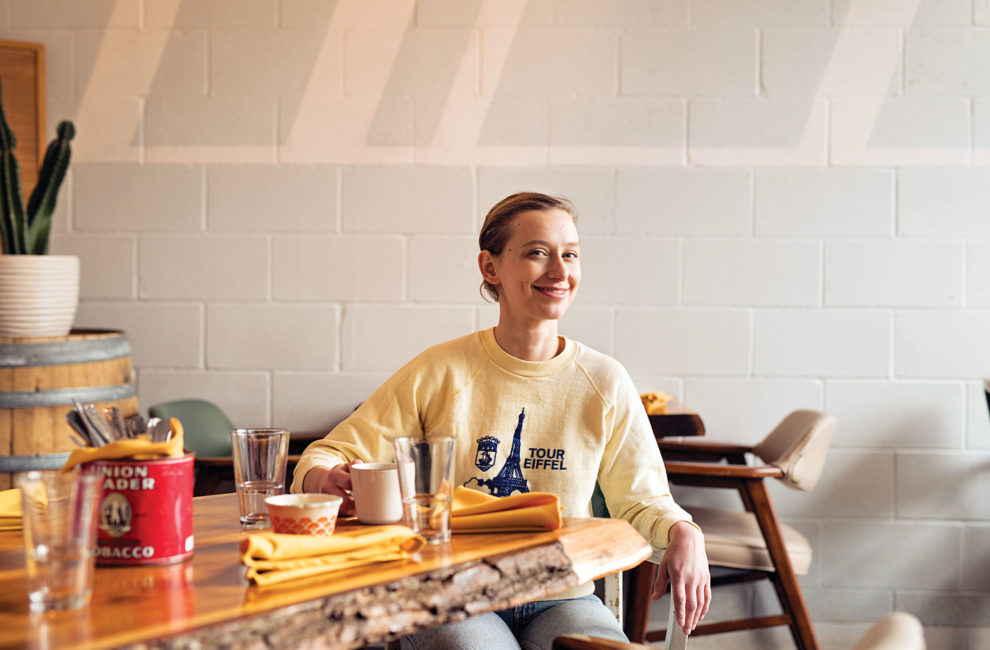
784, 204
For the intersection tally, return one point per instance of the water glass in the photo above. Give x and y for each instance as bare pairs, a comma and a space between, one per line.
60, 518
260, 457
426, 483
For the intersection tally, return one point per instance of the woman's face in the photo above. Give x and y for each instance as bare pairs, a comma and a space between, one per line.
539, 270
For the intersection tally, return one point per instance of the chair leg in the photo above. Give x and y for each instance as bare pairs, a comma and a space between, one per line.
788, 590
638, 593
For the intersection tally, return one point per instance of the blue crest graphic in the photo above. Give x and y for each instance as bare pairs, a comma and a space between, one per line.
484, 458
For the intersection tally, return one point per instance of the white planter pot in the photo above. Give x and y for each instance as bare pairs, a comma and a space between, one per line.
38, 294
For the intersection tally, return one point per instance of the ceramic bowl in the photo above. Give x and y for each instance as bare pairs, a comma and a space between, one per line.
303, 514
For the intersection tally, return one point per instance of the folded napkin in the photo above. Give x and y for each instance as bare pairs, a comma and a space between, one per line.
655, 402
138, 448
476, 512
10, 509
272, 558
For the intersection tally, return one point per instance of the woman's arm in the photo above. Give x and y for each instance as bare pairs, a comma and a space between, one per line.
685, 567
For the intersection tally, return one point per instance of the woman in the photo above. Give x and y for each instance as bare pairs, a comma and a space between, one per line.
577, 416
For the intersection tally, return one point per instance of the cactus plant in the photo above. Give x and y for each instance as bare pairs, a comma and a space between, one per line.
26, 231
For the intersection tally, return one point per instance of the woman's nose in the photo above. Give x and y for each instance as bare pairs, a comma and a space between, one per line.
558, 268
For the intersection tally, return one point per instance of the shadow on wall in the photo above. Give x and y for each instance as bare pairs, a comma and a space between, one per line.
415, 71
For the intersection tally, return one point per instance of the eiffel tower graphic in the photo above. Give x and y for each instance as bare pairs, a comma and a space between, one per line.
510, 478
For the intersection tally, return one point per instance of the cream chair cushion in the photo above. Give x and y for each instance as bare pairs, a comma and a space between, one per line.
896, 631
733, 540
798, 446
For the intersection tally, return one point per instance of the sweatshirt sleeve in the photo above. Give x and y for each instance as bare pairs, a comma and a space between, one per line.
632, 475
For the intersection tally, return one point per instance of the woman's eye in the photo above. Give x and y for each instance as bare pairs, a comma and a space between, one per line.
537, 252
571, 255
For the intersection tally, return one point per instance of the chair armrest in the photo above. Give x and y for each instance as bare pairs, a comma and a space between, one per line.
705, 446
703, 451
678, 468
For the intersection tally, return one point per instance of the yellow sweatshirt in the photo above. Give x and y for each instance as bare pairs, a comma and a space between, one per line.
551, 426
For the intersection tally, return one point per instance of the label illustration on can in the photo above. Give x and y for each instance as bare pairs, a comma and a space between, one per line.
115, 515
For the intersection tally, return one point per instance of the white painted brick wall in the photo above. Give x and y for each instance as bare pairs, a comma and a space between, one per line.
893, 274
756, 13
690, 62
137, 198
216, 14
646, 275
766, 273
260, 335
683, 202
246, 198
261, 62
943, 202
384, 338
408, 200
441, 269
210, 130
243, 396
892, 415
959, 351
829, 62
902, 14
943, 485
757, 132
429, 62
184, 267
824, 202
900, 131
816, 343
978, 273
337, 268
783, 205
559, 61
107, 264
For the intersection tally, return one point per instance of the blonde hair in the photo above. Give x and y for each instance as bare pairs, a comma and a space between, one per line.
495, 231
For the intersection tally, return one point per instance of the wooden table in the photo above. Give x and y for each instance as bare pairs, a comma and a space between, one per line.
678, 420
208, 601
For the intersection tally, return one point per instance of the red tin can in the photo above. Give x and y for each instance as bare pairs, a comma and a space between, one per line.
145, 511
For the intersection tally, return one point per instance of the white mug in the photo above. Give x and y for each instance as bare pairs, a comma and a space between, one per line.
376, 493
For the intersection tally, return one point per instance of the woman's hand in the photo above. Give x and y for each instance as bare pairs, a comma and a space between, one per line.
685, 567
333, 480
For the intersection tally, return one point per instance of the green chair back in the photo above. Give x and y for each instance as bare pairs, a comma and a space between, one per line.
206, 427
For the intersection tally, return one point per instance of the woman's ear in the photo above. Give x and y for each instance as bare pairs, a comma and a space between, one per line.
486, 264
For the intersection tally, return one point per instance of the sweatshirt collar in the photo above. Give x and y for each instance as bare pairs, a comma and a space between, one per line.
516, 366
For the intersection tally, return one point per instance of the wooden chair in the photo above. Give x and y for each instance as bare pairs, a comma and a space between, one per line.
754, 544
207, 434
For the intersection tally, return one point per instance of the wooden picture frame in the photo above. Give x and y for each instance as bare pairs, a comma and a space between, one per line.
22, 78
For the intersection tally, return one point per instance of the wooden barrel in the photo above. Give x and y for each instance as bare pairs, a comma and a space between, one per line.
40, 376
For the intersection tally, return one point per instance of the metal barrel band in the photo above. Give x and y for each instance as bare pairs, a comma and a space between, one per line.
36, 461
63, 353
63, 396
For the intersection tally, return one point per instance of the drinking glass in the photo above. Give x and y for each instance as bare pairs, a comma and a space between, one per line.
60, 518
260, 457
426, 483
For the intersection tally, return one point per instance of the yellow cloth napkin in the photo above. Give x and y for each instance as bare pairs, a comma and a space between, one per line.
10, 509
476, 512
272, 558
655, 402
137, 448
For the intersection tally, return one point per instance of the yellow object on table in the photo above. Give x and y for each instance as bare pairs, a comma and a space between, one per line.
10, 509
655, 402
273, 558
476, 512
138, 448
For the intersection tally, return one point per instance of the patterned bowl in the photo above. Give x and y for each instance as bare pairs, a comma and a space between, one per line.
303, 514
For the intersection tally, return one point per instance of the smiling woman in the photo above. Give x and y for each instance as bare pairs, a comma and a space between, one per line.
531, 411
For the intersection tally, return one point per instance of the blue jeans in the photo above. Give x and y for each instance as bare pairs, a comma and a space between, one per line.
532, 626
